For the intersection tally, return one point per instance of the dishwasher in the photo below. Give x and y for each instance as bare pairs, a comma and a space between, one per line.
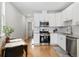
71, 46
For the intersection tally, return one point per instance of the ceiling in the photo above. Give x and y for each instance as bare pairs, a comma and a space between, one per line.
31, 7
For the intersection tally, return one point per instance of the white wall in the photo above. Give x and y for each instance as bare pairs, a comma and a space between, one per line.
15, 19
0, 14
0, 23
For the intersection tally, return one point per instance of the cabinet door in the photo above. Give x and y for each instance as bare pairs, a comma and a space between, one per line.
59, 40
37, 18
58, 19
67, 14
76, 14
53, 38
64, 15
51, 19
62, 41
36, 39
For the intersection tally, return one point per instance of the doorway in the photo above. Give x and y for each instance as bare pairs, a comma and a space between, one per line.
30, 33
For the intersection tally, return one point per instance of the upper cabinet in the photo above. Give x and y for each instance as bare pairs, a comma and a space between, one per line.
67, 13
51, 19
58, 19
54, 19
47, 17
71, 13
75, 13
37, 18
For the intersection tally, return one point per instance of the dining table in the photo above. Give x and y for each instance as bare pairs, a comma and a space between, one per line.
14, 44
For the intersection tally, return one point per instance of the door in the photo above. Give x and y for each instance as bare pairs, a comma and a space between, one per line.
30, 29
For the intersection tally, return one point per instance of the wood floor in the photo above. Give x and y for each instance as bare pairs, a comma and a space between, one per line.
41, 51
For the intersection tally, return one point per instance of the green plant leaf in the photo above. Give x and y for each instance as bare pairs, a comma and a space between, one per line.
7, 30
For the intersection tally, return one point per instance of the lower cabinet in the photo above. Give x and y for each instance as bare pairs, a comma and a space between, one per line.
36, 39
62, 41
53, 38
58, 39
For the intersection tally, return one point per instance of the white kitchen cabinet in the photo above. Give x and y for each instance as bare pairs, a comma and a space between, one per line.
51, 19
58, 39
67, 13
53, 38
37, 18
71, 13
36, 39
54, 19
76, 13
62, 41
58, 19
64, 15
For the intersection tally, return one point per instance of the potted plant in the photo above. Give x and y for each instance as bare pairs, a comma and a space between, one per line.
7, 30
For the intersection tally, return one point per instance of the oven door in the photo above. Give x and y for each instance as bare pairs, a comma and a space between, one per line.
44, 39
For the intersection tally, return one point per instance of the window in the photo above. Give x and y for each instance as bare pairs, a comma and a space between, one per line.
2, 17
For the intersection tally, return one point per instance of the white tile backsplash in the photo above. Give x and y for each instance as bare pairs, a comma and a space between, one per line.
75, 30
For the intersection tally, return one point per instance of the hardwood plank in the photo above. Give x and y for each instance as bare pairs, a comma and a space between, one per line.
41, 51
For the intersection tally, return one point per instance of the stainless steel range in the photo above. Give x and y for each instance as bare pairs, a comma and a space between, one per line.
44, 33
